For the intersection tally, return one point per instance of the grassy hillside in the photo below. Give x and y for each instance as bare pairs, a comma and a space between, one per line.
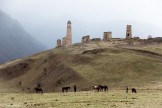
85, 66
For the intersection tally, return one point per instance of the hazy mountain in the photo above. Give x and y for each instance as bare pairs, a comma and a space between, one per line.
15, 42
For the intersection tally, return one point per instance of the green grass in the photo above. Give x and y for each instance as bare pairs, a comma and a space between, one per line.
91, 99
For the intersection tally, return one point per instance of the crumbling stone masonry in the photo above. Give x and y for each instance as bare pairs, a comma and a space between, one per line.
129, 32
64, 41
67, 40
69, 34
85, 39
58, 42
107, 36
96, 40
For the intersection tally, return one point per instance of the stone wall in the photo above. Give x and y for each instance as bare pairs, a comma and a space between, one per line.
96, 39
85, 39
64, 41
58, 42
107, 36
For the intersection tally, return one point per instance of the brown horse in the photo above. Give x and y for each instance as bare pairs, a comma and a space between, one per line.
97, 88
134, 90
65, 89
103, 88
38, 90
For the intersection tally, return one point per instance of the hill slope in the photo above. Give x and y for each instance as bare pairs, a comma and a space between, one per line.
15, 42
84, 66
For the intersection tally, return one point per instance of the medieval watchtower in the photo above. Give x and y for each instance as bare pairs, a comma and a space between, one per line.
129, 32
107, 36
69, 34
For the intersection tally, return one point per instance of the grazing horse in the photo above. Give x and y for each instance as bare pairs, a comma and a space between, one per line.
103, 88
134, 90
38, 90
97, 88
65, 88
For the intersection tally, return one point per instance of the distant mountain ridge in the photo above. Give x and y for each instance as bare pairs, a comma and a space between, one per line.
15, 42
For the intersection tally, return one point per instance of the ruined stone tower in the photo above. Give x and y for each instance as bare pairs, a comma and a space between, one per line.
58, 43
107, 36
64, 41
129, 32
69, 34
85, 39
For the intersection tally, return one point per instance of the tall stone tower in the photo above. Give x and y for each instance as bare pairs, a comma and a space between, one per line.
69, 34
129, 32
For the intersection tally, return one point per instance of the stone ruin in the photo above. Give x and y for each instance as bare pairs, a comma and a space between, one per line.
58, 43
85, 39
64, 41
95, 40
129, 32
69, 34
107, 36
67, 40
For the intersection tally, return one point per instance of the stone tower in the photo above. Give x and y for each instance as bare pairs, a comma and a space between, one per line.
129, 32
69, 34
64, 41
58, 43
107, 36
85, 39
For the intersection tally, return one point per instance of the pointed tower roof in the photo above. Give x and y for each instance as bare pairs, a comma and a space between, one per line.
69, 22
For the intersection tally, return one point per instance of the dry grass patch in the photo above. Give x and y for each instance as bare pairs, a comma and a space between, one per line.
110, 99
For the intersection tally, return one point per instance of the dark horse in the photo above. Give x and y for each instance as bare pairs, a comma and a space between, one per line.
103, 88
97, 88
65, 88
38, 90
134, 90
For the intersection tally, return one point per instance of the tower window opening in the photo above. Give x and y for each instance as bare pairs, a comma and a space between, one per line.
128, 34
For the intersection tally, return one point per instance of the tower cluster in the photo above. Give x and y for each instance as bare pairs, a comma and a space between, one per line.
107, 36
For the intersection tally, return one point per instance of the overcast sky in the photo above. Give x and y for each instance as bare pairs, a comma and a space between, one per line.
147, 11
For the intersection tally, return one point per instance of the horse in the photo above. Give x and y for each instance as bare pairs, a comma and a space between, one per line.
134, 90
38, 90
65, 88
97, 88
103, 88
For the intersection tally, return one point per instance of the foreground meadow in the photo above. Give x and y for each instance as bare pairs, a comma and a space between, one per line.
110, 99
